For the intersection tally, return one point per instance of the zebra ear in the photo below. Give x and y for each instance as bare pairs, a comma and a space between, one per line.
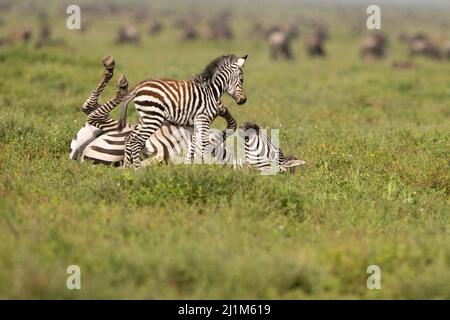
241, 61
293, 163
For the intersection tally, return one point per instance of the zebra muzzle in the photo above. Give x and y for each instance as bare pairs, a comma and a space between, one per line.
241, 100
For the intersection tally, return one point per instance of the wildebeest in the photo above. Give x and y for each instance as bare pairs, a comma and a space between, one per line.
189, 32
280, 45
374, 46
45, 37
128, 34
280, 40
187, 26
155, 27
315, 42
421, 45
23, 34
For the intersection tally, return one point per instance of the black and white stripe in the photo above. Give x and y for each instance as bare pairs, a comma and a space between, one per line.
261, 154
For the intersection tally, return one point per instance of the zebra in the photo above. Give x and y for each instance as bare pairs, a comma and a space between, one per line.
261, 154
192, 102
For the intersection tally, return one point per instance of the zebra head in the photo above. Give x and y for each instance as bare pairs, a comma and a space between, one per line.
225, 75
235, 84
261, 153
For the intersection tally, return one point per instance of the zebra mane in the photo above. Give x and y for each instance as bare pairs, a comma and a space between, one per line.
210, 70
250, 125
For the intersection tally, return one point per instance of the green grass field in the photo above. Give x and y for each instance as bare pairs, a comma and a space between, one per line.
375, 188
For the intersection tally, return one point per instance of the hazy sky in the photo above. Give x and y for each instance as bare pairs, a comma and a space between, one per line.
402, 2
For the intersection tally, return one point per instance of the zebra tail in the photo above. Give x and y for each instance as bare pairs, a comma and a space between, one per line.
122, 122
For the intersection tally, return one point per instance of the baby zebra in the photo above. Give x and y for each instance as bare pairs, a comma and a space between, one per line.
183, 103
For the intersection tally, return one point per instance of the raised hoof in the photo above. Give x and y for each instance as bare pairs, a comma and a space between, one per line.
108, 63
122, 82
87, 109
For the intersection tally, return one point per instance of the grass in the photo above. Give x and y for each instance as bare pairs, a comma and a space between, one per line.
375, 189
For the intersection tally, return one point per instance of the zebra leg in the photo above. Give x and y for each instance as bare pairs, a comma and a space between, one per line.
100, 118
231, 123
127, 152
91, 102
191, 149
137, 139
202, 125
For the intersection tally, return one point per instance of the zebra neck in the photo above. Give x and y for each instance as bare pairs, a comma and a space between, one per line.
218, 88
209, 90
276, 154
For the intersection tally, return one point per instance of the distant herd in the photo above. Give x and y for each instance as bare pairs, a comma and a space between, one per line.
279, 36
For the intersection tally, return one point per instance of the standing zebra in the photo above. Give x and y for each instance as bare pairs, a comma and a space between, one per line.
185, 103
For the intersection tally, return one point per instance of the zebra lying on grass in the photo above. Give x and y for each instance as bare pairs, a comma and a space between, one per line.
183, 103
100, 140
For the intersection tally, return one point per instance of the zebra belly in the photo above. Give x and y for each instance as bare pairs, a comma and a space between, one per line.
108, 148
160, 98
84, 136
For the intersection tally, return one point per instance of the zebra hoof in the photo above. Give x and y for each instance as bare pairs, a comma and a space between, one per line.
108, 63
122, 82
